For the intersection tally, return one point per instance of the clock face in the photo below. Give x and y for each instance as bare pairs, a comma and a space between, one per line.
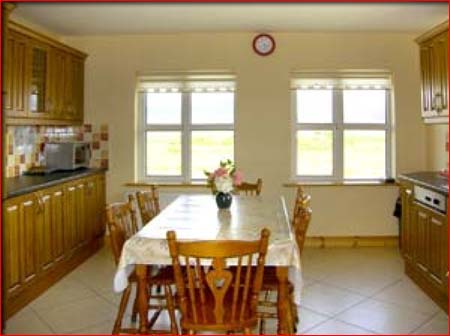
263, 44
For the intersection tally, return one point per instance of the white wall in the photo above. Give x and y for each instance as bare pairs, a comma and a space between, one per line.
263, 117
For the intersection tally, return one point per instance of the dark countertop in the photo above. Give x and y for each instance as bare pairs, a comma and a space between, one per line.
16, 186
432, 180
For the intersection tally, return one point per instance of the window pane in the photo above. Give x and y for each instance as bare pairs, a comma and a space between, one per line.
314, 106
164, 108
208, 149
314, 153
163, 153
365, 106
364, 154
212, 108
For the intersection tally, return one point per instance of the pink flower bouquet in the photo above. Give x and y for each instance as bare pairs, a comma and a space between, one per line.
224, 178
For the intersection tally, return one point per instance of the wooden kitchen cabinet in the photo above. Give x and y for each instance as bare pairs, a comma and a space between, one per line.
39, 78
15, 84
434, 73
47, 233
408, 230
100, 201
21, 264
424, 234
58, 220
45, 229
44, 80
12, 274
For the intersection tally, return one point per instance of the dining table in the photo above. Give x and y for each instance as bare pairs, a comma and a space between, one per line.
197, 217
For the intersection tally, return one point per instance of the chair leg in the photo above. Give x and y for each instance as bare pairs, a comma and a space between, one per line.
135, 310
262, 326
171, 309
191, 332
122, 306
247, 331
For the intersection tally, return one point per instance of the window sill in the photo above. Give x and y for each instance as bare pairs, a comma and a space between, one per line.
167, 184
295, 184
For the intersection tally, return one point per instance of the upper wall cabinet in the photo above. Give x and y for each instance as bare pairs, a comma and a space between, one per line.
434, 74
43, 80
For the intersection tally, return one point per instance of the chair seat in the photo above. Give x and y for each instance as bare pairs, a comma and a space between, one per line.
206, 319
164, 276
270, 280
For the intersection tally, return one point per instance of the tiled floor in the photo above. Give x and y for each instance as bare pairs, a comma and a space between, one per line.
346, 291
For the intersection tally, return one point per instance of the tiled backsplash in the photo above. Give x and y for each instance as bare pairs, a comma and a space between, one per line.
23, 144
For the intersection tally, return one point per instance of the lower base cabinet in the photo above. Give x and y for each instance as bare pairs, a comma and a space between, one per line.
48, 233
425, 246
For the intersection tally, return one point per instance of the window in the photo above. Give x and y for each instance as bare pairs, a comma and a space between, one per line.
342, 128
186, 127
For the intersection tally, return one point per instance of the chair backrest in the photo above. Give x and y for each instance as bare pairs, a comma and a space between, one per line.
300, 225
217, 295
251, 189
302, 200
148, 204
122, 225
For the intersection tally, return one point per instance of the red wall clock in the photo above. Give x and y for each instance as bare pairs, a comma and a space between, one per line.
263, 44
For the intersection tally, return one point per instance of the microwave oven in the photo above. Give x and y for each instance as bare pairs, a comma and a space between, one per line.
67, 155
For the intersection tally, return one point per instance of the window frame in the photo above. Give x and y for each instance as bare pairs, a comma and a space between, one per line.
185, 128
337, 126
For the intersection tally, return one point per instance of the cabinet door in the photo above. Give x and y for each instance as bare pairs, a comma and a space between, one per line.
81, 220
70, 229
29, 247
68, 107
425, 71
12, 275
408, 231
91, 207
39, 93
434, 75
420, 222
439, 74
100, 206
437, 249
56, 83
78, 88
445, 270
16, 78
58, 219
44, 225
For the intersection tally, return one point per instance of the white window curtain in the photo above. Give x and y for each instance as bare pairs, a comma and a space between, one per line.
308, 81
187, 83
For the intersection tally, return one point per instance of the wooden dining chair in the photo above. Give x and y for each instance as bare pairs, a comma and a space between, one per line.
148, 204
300, 224
302, 200
120, 219
214, 298
250, 189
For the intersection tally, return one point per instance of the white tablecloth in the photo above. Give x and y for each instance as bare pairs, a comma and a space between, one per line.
196, 217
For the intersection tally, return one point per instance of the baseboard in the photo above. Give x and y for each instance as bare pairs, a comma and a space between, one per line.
351, 241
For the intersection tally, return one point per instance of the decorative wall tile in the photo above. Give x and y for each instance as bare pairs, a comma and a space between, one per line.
24, 144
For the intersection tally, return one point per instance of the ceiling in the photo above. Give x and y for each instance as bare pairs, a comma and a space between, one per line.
133, 18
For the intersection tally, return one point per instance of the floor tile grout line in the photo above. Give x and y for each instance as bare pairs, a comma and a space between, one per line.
75, 332
93, 293
356, 292
431, 318
40, 318
315, 325
344, 322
